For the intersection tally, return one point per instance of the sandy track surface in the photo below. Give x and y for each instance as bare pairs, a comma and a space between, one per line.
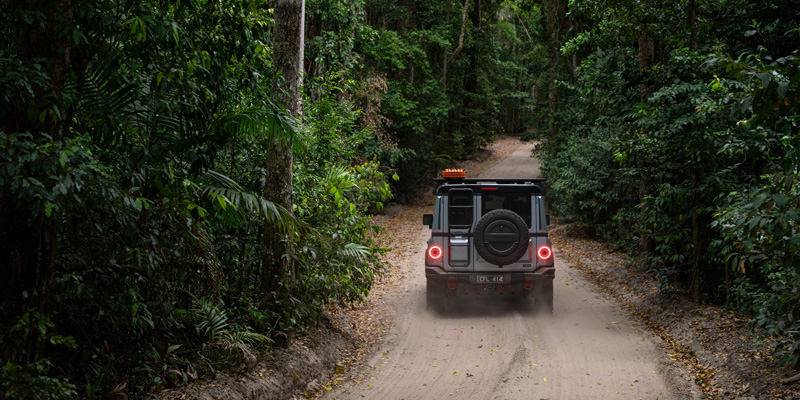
588, 349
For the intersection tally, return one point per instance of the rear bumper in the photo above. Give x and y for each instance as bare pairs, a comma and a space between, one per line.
446, 283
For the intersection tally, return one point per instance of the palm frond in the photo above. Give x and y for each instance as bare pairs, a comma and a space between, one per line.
150, 116
356, 250
106, 97
212, 322
247, 338
267, 120
226, 190
341, 177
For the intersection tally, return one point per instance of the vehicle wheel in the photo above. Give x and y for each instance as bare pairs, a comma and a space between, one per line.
432, 302
501, 237
519, 301
541, 306
434, 296
543, 298
449, 304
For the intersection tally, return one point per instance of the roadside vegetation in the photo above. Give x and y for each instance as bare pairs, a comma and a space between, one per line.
174, 201
676, 135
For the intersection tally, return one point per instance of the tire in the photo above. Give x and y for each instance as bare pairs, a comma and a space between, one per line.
432, 302
501, 237
520, 301
433, 297
449, 305
543, 298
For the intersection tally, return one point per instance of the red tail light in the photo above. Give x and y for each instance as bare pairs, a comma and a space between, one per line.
544, 252
435, 252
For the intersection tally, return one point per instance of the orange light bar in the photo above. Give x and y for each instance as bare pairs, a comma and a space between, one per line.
454, 173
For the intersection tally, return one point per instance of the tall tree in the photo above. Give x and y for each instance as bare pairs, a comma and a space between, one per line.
288, 43
556, 19
646, 56
448, 62
27, 235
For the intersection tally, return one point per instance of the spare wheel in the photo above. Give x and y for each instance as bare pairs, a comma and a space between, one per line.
501, 237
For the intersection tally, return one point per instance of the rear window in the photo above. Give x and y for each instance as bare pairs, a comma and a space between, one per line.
519, 203
460, 208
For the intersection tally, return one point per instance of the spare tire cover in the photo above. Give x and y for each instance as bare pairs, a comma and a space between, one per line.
501, 237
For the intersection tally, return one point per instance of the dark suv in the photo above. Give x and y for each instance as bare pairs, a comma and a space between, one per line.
488, 239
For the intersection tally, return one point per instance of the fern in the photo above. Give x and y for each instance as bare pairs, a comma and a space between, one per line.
268, 120
212, 322
355, 250
246, 337
236, 201
106, 98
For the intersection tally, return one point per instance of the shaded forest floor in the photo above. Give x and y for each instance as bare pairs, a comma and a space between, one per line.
716, 347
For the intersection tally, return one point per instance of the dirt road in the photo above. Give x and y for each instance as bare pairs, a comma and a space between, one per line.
588, 349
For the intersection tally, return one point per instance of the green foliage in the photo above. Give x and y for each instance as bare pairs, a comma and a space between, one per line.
44, 173
211, 323
763, 226
25, 377
487, 89
585, 192
337, 204
32, 382
689, 159
143, 158
760, 223
586, 180
122, 159
337, 199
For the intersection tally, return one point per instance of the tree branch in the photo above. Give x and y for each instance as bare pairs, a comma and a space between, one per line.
452, 59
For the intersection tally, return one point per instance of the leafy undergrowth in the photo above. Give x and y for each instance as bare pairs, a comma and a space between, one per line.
717, 347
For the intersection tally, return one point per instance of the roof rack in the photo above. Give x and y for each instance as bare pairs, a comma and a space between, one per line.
536, 184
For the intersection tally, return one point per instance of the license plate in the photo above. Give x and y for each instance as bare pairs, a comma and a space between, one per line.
490, 278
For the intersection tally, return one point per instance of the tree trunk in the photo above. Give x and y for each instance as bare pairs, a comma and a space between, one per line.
279, 265
646, 58
448, 62
27, 236
313, 68
646, 244
27, 255
556, 15
700, 273
692, 19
